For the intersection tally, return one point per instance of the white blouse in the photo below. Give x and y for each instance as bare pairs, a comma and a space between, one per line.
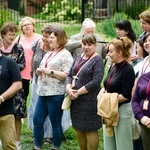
49, 85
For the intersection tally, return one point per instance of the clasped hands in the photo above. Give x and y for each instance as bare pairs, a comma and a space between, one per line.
73, 93
43, 71
146, 121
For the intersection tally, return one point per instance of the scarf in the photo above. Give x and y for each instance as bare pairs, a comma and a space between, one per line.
9, 49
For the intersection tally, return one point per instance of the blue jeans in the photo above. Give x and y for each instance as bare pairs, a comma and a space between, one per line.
48, 106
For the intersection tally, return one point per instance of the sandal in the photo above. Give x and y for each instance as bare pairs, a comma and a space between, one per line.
47, 141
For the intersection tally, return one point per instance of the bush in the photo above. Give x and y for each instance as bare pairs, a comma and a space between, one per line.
133, 8
61, 10
5, 15
107, 27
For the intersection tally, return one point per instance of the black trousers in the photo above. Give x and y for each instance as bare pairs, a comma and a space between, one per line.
26, 85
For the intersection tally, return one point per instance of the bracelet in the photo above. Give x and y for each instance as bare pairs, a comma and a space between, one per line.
2, 99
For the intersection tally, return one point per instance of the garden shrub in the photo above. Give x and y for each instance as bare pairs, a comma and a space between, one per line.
107, 26
5, 15
133, 8
61, 10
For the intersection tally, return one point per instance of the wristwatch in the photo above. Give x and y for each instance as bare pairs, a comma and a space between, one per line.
52, 73
2, 99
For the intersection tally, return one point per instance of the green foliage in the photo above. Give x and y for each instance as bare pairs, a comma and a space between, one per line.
107, 26
60, 10
5, 15
133, 8
72, 29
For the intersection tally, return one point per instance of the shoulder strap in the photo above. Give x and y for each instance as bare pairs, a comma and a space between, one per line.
18, 39
84, 65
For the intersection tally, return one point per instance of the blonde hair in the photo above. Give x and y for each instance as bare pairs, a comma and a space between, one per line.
123, 44
145, 15
27, 18
88, 23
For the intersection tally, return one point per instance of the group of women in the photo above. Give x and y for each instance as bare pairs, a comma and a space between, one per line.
128, 76
28, 49
45, 60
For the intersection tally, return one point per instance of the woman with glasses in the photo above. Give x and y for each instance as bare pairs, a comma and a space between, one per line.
28, 37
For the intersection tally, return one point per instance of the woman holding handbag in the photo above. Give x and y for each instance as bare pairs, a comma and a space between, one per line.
87, 71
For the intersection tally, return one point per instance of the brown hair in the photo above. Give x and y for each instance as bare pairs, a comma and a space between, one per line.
145, 15
145, 36
123, 44
27, 18
61, 37
47, 29
89, 38
140, 42
8, 26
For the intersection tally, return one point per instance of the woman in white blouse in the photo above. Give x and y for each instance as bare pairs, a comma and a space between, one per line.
52, 74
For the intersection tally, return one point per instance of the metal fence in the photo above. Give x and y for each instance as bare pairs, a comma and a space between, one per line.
69, 11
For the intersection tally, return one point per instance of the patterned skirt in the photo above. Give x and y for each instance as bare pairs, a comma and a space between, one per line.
20, 104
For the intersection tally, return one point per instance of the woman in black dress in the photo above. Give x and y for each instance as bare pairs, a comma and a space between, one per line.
84, 116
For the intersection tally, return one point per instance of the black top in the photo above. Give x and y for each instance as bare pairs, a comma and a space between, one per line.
9, 73
120, 79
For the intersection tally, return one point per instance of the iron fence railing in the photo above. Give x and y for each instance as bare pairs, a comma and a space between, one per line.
69, 11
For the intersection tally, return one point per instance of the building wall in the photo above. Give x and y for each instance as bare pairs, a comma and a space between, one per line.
29, 8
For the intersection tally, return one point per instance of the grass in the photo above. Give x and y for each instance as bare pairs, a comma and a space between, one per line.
69, 140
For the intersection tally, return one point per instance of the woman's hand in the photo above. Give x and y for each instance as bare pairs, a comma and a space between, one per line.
146, 121
39, 71
73, 93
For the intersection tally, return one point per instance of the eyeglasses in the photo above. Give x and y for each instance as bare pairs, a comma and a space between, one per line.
26, 24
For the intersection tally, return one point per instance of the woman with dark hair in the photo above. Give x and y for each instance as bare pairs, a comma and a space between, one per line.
124, 29
146, 63
90, 70
141, 97
142, 53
